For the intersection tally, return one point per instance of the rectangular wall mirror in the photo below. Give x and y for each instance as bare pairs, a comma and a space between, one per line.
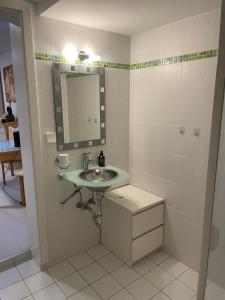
79, 98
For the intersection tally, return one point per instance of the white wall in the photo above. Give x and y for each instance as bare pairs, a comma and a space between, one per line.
70, 230
6, 59
163, 99
5, 39
25, 134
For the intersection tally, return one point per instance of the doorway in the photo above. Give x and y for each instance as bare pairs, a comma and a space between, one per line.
18, 14
13, 214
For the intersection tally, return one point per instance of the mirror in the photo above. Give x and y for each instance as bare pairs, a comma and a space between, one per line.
79, 96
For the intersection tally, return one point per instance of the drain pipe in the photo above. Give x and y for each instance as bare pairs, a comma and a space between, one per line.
95, 208
99, 196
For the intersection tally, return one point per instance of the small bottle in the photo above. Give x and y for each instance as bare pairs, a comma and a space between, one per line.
101, 159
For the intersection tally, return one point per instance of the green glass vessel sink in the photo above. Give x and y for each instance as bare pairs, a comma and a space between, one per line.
97, 178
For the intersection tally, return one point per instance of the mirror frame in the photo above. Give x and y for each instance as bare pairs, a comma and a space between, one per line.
57, 69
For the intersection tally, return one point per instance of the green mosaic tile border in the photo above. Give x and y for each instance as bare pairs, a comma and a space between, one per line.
175, 59
61, 59
147, 64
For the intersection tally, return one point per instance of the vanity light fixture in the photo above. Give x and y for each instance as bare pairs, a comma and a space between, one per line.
70, 53
91, 56
83, 55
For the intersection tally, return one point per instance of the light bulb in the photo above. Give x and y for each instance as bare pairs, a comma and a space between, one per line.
70, 53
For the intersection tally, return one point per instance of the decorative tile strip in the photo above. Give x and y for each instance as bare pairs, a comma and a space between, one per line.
175, 59
62, 59
147, 64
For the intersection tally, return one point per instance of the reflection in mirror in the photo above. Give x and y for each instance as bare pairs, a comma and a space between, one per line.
79, 96
80, 106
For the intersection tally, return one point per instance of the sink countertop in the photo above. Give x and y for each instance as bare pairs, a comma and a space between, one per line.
73, 176
134, 199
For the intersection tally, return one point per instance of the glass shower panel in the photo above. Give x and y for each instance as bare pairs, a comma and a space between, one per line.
215, 288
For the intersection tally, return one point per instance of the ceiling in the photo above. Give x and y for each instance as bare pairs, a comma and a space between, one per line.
127, 16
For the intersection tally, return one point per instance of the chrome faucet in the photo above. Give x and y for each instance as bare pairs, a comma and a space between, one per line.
86, 160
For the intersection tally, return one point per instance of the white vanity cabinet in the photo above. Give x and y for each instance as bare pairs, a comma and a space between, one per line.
132, 223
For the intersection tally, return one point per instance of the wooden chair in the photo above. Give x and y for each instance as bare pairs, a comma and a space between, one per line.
7, 125
19, 174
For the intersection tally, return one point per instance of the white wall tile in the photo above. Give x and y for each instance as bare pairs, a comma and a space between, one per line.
147, 82
179, 237
187, 172
147, 109
173, 39
145, 135
167, 98
194, 78
146, 45
197, 34
211, 73
214, 29
167, 166
171, 78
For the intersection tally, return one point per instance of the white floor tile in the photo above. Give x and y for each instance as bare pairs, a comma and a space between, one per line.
110, 262
29, 298
92, 272
107, 287
142, 289
160, 296
158, 257
143, 266
86, 294
81, 260
159, 278
190, 278
214, 291
15, 291
61, 270
72, 284
125, 275
9, 276
52, 292
38, 281
13, 225
98, 252
173, 266
123, 295
177, 291
28, 268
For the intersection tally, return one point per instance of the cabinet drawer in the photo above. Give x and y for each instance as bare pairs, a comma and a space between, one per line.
147, 243
147, 220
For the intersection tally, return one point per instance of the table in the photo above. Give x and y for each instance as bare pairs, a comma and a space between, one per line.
9, 154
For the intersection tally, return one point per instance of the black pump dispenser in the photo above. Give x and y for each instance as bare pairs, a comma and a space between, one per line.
101, 159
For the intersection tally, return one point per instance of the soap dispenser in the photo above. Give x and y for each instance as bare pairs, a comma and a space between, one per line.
101, 159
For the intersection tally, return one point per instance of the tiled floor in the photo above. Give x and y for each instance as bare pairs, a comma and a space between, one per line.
13, 220
97, 274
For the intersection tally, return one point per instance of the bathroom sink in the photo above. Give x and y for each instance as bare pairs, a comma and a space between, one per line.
97, 179
97, 175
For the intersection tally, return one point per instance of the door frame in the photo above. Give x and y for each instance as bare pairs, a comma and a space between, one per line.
37, 221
